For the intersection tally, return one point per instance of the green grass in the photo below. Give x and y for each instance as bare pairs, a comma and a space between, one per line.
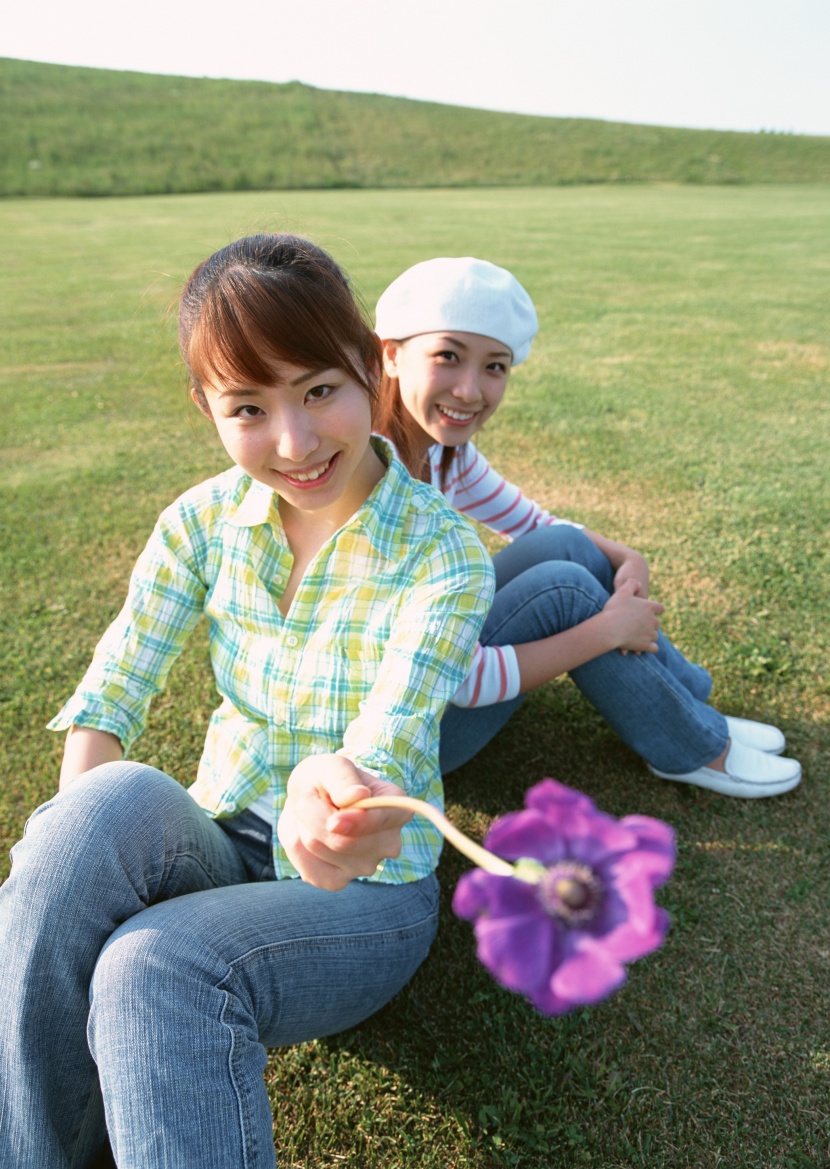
73, 131
677, 398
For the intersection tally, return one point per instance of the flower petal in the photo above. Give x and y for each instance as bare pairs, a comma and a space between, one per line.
547, 1002
554, 799
613, 912
628, 943
655, 852
635, 891
526, 834
589, 975
598, 841
479, 892
518, 951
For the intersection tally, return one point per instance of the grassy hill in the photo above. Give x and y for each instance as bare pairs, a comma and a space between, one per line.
74, 131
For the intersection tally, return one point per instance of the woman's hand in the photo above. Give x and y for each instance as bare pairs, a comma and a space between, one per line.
632, 568
327, 843
628, 565
636, 620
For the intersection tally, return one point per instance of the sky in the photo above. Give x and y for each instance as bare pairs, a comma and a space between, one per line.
717, 64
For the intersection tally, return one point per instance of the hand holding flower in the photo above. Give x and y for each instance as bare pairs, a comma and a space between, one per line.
327, 838
576, 903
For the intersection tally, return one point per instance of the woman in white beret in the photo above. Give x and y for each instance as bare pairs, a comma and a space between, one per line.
568, 600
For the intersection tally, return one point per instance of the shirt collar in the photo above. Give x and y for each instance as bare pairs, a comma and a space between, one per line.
380, 516
257, 506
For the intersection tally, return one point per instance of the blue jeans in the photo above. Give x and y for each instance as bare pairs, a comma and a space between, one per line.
551, 580
149, 957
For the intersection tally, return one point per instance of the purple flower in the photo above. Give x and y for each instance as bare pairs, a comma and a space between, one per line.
580, 903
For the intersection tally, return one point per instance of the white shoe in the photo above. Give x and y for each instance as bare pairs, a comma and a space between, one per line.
761, 736
750, 774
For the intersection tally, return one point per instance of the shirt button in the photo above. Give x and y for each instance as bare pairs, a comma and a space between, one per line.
292, 640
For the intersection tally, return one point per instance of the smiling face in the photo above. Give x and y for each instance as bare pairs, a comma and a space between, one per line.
305, 435
450, 383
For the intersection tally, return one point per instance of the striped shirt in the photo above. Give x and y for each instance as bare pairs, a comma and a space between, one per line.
476, 490
378, 637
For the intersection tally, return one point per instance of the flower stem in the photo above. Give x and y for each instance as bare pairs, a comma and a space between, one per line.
478, 855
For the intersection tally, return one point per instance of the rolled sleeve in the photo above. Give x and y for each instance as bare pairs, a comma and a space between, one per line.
426, 659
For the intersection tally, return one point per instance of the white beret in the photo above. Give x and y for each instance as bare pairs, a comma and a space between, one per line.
462, 294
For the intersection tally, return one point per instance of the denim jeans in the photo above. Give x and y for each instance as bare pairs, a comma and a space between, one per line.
149, 957
551, 580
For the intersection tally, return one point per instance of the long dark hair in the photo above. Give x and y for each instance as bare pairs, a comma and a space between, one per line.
392, 419
273, 297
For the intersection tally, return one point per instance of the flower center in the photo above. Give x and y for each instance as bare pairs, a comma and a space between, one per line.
571, 891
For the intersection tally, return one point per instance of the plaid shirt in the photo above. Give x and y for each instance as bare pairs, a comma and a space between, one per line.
379, 636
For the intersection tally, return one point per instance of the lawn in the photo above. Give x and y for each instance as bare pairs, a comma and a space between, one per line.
677, 399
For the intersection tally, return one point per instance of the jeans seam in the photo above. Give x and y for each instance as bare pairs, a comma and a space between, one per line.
311, 941
247, 1130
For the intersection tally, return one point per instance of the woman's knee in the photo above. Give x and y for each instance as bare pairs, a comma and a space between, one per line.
124, 779
141, 975
555, 542
575, 546
103, 804
555, 586
565, 542
546, 599
111, 839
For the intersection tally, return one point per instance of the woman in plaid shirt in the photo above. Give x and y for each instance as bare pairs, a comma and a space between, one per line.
156, 940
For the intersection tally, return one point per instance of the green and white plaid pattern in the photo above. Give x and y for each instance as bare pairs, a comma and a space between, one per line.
380, 635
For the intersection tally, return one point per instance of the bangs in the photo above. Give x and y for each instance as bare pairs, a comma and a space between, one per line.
252, 320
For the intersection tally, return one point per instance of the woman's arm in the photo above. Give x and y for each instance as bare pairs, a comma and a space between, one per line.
478, 491
86, 748
628, 622
133, 658
627, 564
438, 619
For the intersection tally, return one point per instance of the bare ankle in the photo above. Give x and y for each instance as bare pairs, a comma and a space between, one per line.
719, 764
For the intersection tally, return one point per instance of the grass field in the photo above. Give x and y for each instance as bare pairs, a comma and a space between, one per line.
73, 131
677, 398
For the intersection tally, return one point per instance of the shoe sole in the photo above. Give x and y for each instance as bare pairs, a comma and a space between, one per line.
727, 785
